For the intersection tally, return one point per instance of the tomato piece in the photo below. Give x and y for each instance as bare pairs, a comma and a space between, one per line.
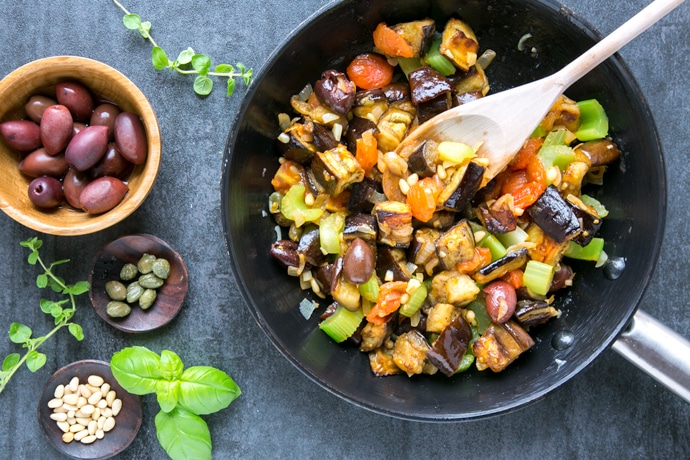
370, 71
367, 154
526, 185
514, 278
388, 302
290, 173
421, 198
391, 43
529, 149
482, 258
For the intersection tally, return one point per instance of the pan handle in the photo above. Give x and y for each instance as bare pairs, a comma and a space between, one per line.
657, 350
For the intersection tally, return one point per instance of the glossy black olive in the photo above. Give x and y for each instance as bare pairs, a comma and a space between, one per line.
45, 192
335, 91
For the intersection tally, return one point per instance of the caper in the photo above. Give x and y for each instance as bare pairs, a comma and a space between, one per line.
161, 268
150, 281
117, 309
134, 291
147, 299
128, 272
145, 264
116, 290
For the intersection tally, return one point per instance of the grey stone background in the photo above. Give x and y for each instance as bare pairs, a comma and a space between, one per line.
611, 410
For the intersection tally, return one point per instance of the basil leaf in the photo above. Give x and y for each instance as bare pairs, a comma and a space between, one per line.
171, 365
183, 435
204, 390
35, 360
137, 369
166, 394
19, 333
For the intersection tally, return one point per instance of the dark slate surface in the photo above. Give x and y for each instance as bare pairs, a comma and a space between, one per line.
611, 410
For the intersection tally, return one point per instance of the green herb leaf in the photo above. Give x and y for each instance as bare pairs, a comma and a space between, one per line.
33, 258
19, 333
76, 331
204, 390
131, 21
35, 360
203, 85
224, 68
137, 369
79, 288
171, 366
145, 29
46, 306
158, 58
247, 76
10, 361
201, 63
196, 442
185, 57
167, 393
42, 280
231, 86
56, 311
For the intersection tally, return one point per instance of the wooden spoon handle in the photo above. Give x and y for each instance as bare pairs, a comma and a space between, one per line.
615, 41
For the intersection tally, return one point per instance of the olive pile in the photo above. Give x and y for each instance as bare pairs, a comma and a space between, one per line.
76, 149
144, 279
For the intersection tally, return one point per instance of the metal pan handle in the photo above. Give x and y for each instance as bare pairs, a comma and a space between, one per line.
657, 350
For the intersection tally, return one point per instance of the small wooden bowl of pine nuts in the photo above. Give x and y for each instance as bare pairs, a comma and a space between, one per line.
85, 414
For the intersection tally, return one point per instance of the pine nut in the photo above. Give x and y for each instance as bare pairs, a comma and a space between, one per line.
59, 391
93, 425
89, 439
74, 384
110, 397
59, 417
76, 428
105, 388
95, 380
81, 402
101, 422
107, 412
96, 414
55, 402
70, 407
109, 424
67, 437
102, 404
116, 407
64, 426
97, 396
100, 434
71, 420
87, 410
84, 391
70, 399
78, 436
83, 420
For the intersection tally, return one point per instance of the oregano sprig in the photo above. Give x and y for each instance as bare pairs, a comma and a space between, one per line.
62, 311
188, 62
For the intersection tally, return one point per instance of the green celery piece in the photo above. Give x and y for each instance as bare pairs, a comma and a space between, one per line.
509, 239
557, 155
293, 207
594, 124
330, 229
555, 137
538, 277
466, 361
494, 246
342, 323
590, 252
415, 303
596, 204
438, 61
370, 289
408, 65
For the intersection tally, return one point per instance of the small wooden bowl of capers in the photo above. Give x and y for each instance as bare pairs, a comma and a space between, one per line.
138, 283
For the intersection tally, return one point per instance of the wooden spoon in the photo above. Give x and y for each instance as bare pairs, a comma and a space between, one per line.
501, 122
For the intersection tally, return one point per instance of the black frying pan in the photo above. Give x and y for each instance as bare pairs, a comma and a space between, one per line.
595, 311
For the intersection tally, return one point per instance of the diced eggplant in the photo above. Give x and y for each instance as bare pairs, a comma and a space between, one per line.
382, 364
323, 138
324, 276
427, 83
360, 226
316, 111
392, 128
449, 348
562, 277
364, 195
473, 82
410, 351
455, 245
429, 109
554, 215
310, 246
511, 261
600, 152
296, 143
590, 222
563, 113
440, 220
335, 91
417, 34
572, 177
373, 335
497, 221
391, 264
440, 316
355, 128
452, 287
397, 92
345, 293
423, 160
530, 313
459, 44
370, 104
466, 189
500, 345
465, 98
423, 249
285, 252
336, 169
394, 223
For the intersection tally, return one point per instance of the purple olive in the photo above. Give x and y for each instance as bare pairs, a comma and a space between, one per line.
335, 91
39, 163
22, 135
36, 105
56, 128
102, 195
501, 300
45, 192
359, 262
87, 147
130, 137
104, 115
77, 128
73, 184
112, 164
77, 98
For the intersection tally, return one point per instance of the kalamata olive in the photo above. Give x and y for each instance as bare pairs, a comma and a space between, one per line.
112, 164
39, 163
104, 115
72, 184
77, 98
77, 128
335, 91
22, 135
102, 195
285, 252
561, 278
359, 262
87, 147
45, 192
57, 128
130, 137
500, 301
36, 105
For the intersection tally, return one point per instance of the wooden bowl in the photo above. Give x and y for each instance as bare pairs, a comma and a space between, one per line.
39, 77
127, 422
129, 249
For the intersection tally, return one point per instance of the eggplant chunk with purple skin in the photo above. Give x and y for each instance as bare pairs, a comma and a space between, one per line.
459, 44
448, 349
456, 245
394, 222
500, 345
417, 34
336, 169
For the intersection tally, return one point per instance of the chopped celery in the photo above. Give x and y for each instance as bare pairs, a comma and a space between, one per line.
494, 245
594, 124
555, 137
370, 289
293, 207
330, 229
407, 65
414, 304
438, 61
538, 132
517, 236
538, 277
480, 314
341, 324
455, 152
466, 361
590, 252
596, 204
556, 155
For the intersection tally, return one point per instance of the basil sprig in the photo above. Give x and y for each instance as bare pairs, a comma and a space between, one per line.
183, 395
